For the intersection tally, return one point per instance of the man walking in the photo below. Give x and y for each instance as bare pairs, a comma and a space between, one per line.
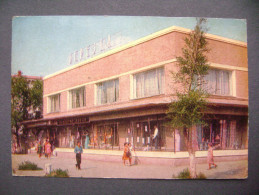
78, 150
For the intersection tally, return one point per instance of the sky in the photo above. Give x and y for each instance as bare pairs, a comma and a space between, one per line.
41, 45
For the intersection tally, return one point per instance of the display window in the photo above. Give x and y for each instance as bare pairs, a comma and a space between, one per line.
107, 136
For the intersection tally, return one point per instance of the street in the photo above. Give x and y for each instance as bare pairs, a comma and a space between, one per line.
100, 169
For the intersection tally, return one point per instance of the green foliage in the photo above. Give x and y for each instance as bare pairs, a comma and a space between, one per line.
20, 99
193, 65
58, 173
188, 109
185, 174
23, 97
27, 165
36, 94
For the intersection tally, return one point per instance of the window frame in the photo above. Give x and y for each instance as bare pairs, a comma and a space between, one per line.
231, 82
49, 103
133, 88
97, 98
70, 98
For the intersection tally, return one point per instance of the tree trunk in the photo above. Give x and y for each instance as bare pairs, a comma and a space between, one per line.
17, 138
191, 142
193, 147
194, 139
192, 164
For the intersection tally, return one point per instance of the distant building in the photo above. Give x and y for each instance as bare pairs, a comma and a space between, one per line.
120, 95
33, 114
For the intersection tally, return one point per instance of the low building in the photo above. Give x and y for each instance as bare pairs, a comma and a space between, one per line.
32, 113
121, 95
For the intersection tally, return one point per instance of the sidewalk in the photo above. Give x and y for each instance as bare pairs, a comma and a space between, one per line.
99, 169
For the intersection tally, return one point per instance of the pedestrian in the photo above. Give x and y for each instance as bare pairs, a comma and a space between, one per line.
78, 150
210, 158
48, 149
126, 154
44, 147
52, 143
130, 151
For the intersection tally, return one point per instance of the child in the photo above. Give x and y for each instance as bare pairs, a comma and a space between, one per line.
130, 149
210, 159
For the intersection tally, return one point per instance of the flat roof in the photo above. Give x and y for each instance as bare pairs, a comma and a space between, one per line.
145, 39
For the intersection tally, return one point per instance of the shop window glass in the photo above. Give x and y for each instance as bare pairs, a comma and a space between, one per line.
107, 136
217, 82
219, 132
148, 83
108, 92
54, 103
140, 135
77, 97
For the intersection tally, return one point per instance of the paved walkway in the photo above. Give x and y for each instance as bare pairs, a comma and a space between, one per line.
99, 169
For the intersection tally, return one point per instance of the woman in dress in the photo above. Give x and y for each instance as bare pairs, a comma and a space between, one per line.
210, 158
126, 154
48, 149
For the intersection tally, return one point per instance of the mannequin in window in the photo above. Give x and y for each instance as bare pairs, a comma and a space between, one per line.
86, 140
155, 136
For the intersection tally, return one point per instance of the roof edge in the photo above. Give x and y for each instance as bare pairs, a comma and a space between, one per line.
145, 39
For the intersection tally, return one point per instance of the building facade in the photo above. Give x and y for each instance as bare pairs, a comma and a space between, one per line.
121, 95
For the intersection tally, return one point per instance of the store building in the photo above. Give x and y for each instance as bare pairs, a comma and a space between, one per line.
121, 95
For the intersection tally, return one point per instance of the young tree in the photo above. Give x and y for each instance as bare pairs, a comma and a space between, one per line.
188, 110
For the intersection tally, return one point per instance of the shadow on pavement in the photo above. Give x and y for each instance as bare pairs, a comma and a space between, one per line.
226, 174
88, 168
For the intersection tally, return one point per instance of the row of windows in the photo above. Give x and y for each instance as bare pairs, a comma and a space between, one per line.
145, 84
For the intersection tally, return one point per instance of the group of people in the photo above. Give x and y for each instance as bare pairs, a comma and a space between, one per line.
47, 148
127, 153
44, 148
